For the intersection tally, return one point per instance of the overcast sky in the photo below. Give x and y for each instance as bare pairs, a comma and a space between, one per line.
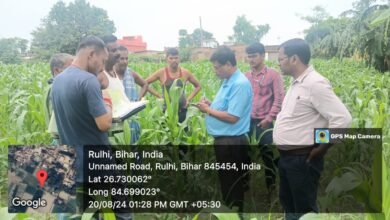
159, 21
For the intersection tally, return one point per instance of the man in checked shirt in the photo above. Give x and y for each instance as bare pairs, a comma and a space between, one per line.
268, 93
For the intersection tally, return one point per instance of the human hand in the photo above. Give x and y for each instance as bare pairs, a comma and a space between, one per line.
203, 107
317, 152
205, 101
264, 124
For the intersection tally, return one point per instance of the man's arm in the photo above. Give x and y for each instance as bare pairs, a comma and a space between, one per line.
318, 152
239, 99
196, 85
278, 90
96, 104
104, 122
141, 82
155, 76
330, 107
221, 115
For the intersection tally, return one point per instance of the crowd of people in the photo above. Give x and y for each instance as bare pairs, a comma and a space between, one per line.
247, 105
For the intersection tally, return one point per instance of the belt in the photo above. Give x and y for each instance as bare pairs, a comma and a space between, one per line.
221, 137
256, 120
295, 152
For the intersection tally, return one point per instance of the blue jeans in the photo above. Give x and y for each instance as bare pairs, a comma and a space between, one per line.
298, 184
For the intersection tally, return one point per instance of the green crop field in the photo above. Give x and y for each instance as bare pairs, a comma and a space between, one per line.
364, 91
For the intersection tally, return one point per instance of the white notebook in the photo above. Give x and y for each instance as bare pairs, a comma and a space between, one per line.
125, 110
122, 107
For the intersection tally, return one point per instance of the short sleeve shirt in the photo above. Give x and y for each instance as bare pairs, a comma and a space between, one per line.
77, 101
309, 103
235, 98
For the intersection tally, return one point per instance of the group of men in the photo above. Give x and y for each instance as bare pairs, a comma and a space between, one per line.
251, 103
245, 105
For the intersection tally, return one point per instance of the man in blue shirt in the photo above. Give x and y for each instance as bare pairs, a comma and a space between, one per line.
228, 120
82, 116
82, 113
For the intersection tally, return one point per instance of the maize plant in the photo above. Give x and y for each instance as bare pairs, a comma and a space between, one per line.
364, 91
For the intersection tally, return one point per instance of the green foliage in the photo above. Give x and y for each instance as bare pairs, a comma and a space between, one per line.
364, 91
185, 54
22, 111
375, 38
195, 39
183, 38
319, 15
246, 33
66, 25
153, 58
327, 38
362, 31
22, 97
11, 50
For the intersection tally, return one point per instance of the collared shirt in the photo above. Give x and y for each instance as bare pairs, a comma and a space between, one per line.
268, 93
309, 103
235, 98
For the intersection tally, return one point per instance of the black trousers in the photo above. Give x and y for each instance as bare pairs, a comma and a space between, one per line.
298, 184
232, 149
266, 152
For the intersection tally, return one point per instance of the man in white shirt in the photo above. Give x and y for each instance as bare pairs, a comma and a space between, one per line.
309, 103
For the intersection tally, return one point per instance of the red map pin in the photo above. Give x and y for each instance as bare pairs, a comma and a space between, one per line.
42, 176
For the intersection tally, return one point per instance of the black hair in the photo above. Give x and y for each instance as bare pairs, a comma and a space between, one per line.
91, 41
255, 48
224, 54
109, 39
297, 47
172, 52
122, 48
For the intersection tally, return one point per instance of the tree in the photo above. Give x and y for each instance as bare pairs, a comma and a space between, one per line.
11, 49
183, 38
363, 30
375, 37
319, 15
66, 25
199, 36
245, 32
326, 34
194, 39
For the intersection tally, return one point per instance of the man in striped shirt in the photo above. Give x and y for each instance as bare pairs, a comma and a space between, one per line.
268, 93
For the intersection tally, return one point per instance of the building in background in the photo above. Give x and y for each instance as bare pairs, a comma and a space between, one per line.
203, 53
133, 43
211, 43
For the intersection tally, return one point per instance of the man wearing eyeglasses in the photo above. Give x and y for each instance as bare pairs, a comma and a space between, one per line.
268, 92
309, 103
227, 120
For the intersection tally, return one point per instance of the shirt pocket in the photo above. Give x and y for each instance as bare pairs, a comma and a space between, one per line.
266, 88
302, 105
